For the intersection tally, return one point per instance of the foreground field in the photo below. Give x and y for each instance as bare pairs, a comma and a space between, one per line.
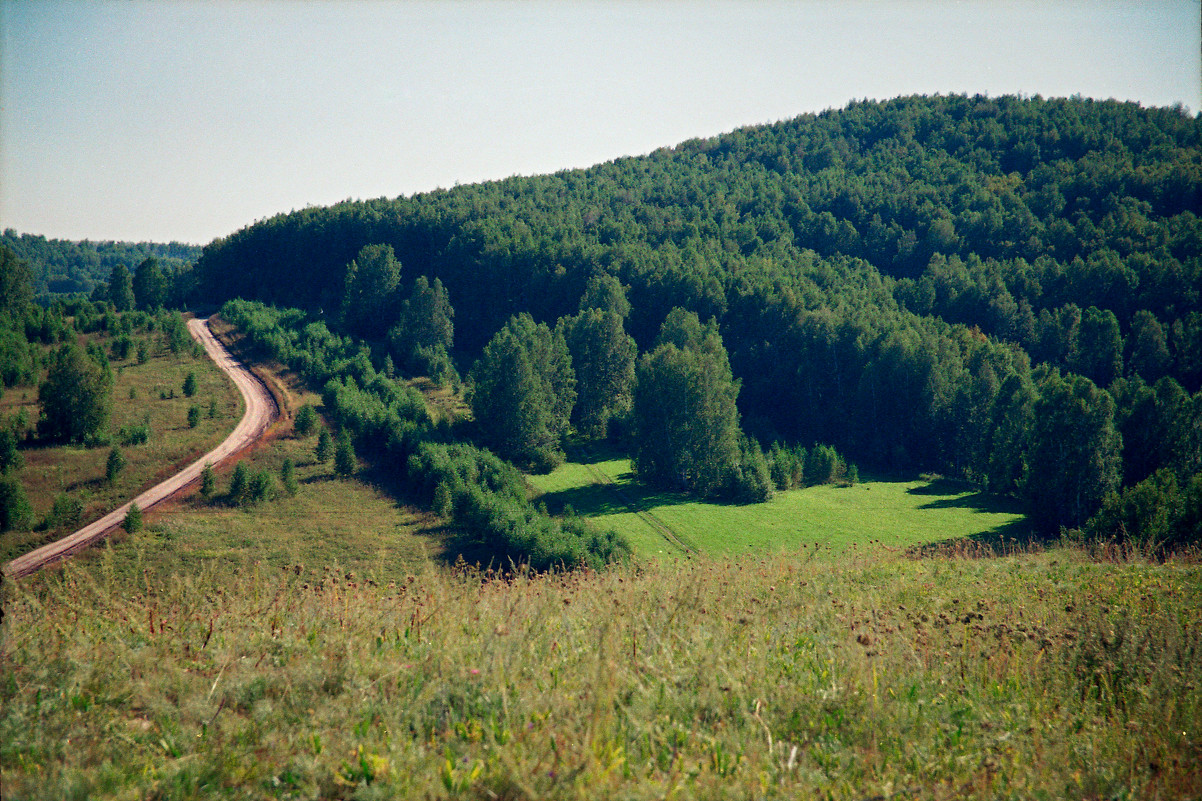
666, 525
868, 675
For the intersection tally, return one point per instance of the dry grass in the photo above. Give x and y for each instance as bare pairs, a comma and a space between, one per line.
867, 675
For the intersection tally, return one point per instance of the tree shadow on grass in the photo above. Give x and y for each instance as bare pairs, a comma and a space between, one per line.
623, 496
977, 502
1011, 537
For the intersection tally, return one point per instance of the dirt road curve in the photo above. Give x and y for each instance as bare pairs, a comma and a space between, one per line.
261, 410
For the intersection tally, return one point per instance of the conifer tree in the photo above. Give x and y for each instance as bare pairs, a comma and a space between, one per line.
325, 447
114, 465
208, 482
133, 519
344, 455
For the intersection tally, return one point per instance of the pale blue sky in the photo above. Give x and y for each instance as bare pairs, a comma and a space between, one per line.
188, 120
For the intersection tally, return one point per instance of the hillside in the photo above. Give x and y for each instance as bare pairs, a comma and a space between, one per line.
1002, 290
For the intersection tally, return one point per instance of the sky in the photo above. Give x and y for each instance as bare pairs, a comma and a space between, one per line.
183, 120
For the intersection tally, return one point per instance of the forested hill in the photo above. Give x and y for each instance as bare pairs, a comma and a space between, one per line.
63, 266
886, 277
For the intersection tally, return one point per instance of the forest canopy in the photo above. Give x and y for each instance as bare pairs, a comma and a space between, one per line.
914, 282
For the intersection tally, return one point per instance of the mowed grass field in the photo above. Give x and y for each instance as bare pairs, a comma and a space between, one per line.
894, 513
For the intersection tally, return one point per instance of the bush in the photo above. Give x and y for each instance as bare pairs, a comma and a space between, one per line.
121, 347
190, 385
208, 482
114, 465
193, 416
66, 512
1158, 513
239, 485
134, 435
288, 477
133, 519
344, 455
325, 448
15, 511
10, 457
306, 421
261, 487
822, 465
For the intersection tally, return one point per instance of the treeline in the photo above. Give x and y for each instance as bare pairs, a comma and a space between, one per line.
999, 289
484, 496
61, 266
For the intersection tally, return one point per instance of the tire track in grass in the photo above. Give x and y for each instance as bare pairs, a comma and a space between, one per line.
644, 514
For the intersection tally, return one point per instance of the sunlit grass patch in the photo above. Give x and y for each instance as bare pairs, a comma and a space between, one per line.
895, 513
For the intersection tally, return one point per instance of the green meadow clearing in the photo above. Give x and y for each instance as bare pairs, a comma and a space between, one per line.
896, 513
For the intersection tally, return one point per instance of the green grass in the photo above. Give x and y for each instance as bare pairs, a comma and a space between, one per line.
860, 675
665, 525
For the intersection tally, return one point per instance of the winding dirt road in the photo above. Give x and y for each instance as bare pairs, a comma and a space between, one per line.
261, 411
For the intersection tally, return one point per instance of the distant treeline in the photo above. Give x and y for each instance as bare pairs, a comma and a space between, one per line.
60, 266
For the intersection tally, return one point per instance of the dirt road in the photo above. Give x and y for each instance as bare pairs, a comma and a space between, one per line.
261, 410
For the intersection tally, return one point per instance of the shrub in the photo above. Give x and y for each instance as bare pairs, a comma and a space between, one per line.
261, 487
65, 512
288, 477
134, 435
239, 485
133, 519
344, 455
114, 465
121, 347
208, 482
10, 457
325, 447
306, 421
15, 511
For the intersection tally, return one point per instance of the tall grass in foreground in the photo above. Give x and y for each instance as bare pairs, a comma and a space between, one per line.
869, 675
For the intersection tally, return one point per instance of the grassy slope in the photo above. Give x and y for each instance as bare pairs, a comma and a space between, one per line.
79, 472
895, 513
850, 676
353, 524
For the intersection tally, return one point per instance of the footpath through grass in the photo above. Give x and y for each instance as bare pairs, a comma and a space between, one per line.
666, 525
860, 675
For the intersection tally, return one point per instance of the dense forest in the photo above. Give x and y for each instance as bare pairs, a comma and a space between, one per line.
60, 266
1002, 289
